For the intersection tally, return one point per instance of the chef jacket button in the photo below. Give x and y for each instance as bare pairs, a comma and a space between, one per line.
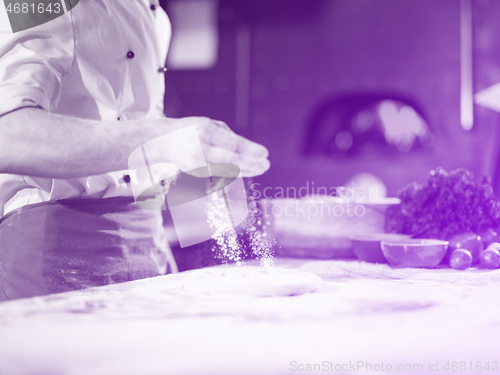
118, 119
162, 69
130, 54
126, 178
153, 7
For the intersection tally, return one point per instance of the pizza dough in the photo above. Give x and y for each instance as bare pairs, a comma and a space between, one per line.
250, 281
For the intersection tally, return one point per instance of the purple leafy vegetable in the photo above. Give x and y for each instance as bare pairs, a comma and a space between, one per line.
445, 205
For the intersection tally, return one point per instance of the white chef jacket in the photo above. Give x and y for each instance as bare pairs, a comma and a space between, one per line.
102, 60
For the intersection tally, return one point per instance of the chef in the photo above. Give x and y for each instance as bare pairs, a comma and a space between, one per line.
78, 95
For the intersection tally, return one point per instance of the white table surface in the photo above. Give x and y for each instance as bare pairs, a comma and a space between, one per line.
362, 313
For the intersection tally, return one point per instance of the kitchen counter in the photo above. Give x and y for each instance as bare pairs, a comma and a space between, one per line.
363, 315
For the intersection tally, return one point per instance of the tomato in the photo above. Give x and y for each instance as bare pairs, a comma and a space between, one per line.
490, 258
468, 241
460, 259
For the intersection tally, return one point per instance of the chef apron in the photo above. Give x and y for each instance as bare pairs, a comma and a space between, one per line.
73, 244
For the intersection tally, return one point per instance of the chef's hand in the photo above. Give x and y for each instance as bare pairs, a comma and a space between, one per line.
221, 145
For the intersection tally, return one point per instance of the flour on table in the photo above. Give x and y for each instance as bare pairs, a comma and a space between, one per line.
250, 281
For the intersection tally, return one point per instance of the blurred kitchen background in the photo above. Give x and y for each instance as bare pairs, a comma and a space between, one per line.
335, 88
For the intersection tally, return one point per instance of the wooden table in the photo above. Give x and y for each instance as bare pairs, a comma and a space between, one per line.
394, 320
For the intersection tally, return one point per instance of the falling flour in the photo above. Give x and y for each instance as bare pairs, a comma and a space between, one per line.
233, 247
252, 242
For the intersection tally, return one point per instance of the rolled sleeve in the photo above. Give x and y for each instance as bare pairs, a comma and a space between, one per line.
32, 63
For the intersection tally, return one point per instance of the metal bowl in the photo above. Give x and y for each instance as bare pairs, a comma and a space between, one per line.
420, 253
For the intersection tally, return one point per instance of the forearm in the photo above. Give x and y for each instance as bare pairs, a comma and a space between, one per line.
34, 142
